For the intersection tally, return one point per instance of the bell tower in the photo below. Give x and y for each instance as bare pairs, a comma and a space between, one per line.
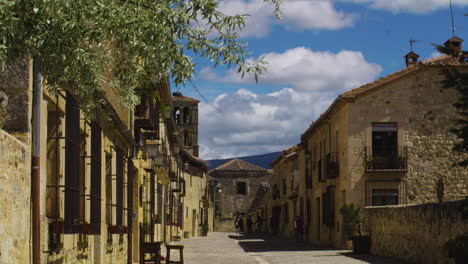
185, 114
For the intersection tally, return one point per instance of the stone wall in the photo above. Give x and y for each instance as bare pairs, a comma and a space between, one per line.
15, 179
15, 99
224, 224
415, 233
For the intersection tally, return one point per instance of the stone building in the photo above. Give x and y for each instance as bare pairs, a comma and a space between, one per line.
233, 187
385, 143
105, 185
185, 110
285, 200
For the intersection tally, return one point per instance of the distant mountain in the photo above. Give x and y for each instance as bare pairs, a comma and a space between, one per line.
262, 160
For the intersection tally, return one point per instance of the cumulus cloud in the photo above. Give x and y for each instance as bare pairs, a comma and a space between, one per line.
412, 6
246, 123
297, 15
306, 69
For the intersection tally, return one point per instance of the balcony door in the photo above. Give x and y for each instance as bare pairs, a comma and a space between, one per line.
384, 143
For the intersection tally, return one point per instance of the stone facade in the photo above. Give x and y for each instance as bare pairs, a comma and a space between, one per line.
415, 233
385, 143
15, 178
229, 200
15, 99
114, 205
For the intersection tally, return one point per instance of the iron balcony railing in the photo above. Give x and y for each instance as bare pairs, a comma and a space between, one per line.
386, 159
332, 166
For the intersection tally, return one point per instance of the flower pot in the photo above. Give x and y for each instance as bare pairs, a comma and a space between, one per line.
361, 244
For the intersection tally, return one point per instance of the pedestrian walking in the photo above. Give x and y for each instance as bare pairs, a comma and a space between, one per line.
299, 228
249, 224
241, 225
237, 224
259, 224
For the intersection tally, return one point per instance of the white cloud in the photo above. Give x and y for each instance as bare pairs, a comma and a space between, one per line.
246, 123
308, 70
297, 15
412, 6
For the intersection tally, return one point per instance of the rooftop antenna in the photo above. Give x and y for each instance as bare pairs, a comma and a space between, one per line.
411, 42
451, 15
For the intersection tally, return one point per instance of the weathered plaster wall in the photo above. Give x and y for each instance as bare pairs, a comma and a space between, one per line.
15, 194
415, 233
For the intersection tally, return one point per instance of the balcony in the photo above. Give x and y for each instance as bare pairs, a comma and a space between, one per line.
147, 117
386, 159
332, 166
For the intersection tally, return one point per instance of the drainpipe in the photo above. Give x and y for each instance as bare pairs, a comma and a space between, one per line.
130, 192
35, 162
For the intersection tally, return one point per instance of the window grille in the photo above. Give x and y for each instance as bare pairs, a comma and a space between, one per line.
72, 162
130, 171
95, 196
119, 186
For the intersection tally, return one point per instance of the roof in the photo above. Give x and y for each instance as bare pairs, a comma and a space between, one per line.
411, 54
238, 165
287, 153
195, 160
445, 60
179, 97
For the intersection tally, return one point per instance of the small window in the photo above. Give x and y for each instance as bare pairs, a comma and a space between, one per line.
242, 188
381, 197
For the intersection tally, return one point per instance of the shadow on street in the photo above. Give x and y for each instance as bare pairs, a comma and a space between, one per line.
255, 242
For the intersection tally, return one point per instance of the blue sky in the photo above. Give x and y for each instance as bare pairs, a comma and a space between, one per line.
319, 49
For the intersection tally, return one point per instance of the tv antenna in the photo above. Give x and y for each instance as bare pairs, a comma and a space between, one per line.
451, 16
412, 41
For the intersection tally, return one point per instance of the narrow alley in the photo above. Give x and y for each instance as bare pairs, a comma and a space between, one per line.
231, 248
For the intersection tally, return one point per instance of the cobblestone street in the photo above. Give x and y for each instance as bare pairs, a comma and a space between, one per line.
230, 248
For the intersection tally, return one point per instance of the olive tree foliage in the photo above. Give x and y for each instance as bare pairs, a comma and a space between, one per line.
458, 80
128, 45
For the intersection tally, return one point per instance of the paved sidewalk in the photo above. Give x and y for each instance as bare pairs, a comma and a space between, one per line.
231, 248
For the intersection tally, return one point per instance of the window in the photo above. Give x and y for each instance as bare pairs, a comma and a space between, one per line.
119, 183
384, 140
187, 115
242, 188
187, 138
328, 200
72, 165
382, 197
95, 195
177, 115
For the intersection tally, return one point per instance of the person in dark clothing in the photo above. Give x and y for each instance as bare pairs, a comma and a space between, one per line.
237, 224
299, 228
259, 223
241, 225
249, 224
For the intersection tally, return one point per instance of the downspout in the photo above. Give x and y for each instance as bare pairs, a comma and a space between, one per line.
35, 161
130, 195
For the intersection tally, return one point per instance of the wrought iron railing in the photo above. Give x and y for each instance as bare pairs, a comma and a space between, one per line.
386, 158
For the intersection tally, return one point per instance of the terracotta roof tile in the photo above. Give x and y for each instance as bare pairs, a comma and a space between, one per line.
239, 165
182, 98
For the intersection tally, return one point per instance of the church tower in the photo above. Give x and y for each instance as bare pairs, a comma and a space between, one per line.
185, 113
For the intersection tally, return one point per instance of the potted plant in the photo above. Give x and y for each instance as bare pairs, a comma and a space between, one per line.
457, 249
352, 227
204, 229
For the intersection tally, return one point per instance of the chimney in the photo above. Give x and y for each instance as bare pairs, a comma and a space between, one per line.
454, 44
411, 58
